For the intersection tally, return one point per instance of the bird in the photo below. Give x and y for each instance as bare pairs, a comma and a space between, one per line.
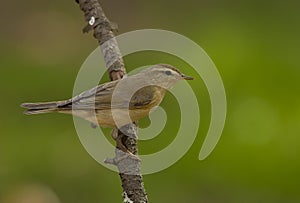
118, 102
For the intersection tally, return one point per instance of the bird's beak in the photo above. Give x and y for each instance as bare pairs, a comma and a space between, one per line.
185, 77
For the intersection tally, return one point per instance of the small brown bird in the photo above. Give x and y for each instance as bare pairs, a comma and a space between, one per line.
119, 102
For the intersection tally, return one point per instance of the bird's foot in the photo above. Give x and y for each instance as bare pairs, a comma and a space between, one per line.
114, 133
122, 152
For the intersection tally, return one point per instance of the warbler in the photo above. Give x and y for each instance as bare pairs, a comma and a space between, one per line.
119, 102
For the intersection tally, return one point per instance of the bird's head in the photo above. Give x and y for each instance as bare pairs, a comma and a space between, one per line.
164, 75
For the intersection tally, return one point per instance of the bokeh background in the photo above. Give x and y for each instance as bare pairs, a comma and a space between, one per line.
254, 44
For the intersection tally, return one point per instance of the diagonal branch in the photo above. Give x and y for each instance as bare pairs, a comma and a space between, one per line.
129, 169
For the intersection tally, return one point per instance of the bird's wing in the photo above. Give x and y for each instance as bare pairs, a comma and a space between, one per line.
98, 97
147, 96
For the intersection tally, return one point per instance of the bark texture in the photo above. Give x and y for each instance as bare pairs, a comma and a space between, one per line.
129, 167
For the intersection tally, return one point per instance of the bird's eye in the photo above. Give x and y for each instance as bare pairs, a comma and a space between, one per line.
168, 72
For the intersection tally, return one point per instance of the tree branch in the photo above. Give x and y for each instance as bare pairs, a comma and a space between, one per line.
129, 168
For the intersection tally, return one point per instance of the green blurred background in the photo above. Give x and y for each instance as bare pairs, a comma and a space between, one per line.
254, 44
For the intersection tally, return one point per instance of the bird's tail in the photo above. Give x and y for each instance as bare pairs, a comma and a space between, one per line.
38, 108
